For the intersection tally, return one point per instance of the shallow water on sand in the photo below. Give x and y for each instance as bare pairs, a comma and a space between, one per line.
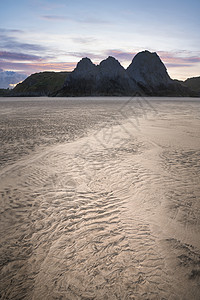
100, 198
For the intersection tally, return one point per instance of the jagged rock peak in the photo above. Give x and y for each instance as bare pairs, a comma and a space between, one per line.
111, 68
148, 69
85, 69
85, 64
110, 62
147, 56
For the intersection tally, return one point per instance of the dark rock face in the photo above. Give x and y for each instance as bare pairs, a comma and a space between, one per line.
194, 84
81, 82
113, 79
152, 77
109, 78
146, 75
149, 72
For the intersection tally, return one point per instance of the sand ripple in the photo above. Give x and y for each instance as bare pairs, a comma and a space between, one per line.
85, 220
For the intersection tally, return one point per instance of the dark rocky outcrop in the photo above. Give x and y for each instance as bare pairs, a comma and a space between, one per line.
109, 78
152, 77
146, 75
148, 69
193, 83
81, 81
112, 79
149, 72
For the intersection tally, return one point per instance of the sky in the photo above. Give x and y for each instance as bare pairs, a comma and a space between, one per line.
49, 35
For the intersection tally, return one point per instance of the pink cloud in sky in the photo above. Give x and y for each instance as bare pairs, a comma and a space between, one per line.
30, 68
29, 63
5, 55
181, 59
121, 55
168, 58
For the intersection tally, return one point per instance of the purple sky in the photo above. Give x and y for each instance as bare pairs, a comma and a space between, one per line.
44, 35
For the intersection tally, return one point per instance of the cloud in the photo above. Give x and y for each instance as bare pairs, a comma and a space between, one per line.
92, 20
3, 30
179, 58
121, 55
85, 54
56, 18
30, 68
177, 65
18, 56
46, 5
7, 42
7, 79
171, 59
85, 40
88, 20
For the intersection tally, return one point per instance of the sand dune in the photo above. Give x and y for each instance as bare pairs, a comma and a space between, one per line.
99, 199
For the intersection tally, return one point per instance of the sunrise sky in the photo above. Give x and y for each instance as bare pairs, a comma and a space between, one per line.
41, 35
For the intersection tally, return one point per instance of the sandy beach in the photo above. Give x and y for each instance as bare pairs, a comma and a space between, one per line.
100, 198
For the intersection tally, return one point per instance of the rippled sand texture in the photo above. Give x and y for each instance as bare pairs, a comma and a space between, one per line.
100, 199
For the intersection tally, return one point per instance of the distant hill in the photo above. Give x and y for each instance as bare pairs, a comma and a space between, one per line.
5, 92
40, 84
193, 83
146, 75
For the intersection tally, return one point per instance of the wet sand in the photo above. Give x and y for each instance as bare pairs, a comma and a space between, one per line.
100, 198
